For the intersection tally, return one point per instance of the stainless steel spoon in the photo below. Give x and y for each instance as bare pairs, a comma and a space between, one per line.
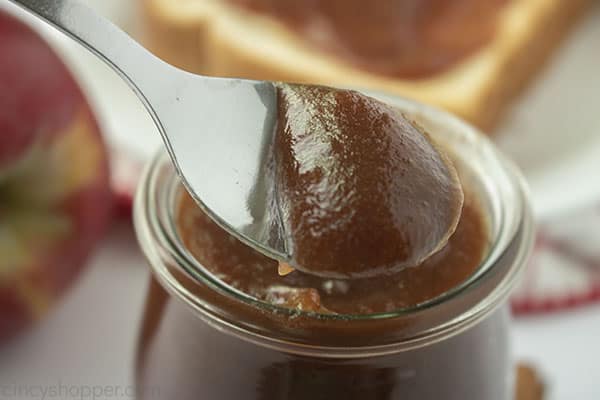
218, 133
216, 130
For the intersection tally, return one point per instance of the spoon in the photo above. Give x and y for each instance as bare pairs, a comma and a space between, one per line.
219, 134
216, 130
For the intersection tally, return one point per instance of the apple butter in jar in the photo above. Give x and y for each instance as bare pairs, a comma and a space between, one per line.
406, 231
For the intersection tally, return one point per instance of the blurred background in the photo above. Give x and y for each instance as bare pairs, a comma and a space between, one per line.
536, 92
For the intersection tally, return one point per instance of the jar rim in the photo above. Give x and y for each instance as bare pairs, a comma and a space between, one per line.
514, 228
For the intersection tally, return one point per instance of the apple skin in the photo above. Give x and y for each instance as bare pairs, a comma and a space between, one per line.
55, 197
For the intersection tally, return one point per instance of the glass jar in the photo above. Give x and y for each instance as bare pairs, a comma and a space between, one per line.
201, 339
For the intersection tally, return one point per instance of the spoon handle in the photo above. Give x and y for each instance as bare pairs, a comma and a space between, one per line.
217, 131
136, 65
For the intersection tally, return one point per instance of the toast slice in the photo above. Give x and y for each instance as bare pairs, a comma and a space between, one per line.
214, 37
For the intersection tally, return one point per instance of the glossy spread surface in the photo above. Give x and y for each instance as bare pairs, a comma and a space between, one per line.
250, 272
360, 189
402, 38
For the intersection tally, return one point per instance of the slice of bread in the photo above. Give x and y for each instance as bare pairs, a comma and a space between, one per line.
215, 38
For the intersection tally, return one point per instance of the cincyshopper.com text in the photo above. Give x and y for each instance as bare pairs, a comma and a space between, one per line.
65, 391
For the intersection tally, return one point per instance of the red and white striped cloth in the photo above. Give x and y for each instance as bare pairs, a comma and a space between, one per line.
564, 270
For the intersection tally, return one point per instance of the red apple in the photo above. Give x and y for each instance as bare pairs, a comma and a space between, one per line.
55, 199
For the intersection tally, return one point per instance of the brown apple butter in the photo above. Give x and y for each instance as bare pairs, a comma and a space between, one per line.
360, 190
255, 274
361, 194
402, 38
221, 323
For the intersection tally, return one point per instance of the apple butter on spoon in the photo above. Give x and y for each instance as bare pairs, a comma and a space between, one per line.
360, 189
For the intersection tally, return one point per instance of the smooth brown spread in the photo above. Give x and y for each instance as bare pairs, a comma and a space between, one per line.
401, 38
360, 190
248, 271
373, 214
